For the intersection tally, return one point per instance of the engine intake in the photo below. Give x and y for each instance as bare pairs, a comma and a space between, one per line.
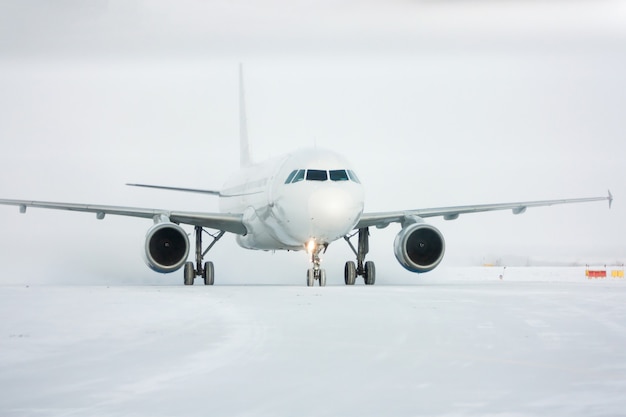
419, 247
167, 247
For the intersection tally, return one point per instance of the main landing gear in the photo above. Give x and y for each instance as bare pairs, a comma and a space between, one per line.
316, 273
367, 270
208, 272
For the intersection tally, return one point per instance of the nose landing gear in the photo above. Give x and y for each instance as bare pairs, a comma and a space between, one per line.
316, 273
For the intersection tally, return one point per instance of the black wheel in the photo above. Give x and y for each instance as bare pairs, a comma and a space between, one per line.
310, 277
209, 273
190, 273
350, 273
370, 273
322, 277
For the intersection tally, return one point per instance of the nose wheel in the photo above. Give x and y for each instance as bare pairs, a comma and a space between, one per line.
316, 273
313, 275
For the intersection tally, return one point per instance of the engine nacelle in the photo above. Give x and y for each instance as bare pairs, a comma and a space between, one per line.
167, 247
419, 247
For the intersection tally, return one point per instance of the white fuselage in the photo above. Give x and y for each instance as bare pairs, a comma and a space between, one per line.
308, 196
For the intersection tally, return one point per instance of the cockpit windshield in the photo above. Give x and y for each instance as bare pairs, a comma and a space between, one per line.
316, 175
298, 175
339, 175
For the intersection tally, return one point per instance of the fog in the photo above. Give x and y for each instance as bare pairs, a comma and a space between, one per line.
435, 104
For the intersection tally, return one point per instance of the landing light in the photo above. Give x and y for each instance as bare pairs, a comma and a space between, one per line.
310, 246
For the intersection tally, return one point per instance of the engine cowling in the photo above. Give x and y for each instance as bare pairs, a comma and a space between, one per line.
166, 248
419, 247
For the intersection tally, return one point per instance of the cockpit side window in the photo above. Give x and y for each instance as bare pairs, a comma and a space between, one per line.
353, 176
290, 177
338, 175
299, 176
316, 175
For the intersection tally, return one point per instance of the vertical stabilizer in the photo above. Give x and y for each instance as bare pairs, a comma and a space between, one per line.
243, 124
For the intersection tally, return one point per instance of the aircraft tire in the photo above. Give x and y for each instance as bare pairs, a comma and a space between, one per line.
190, 273
209, 273
322, 277
370, 273
350, 273
310, 277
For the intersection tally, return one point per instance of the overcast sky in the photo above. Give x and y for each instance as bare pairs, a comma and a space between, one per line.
435, 103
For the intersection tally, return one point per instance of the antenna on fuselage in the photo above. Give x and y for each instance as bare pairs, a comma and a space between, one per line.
243, 125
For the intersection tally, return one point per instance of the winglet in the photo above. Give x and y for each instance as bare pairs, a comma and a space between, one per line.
243, 125
610, 198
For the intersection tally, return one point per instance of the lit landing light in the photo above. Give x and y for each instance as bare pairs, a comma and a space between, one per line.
310, 246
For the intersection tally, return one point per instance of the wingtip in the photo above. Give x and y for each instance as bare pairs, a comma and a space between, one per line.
610, 198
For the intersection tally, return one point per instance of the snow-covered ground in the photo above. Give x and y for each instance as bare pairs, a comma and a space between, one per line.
542, 341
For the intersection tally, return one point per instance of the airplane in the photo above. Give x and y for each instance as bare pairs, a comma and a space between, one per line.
304, 200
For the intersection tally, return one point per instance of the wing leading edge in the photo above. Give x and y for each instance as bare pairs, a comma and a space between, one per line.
232, 223
383, 219
187, 190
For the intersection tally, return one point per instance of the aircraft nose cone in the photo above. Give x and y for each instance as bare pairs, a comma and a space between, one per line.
333, 212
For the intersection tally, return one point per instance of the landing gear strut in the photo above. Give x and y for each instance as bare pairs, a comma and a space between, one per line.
208, 271
316, 273
367, 270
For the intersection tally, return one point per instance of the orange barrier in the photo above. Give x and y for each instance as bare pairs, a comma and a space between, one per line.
591, 273
602, 273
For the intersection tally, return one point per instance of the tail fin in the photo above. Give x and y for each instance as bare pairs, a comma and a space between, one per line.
243, 125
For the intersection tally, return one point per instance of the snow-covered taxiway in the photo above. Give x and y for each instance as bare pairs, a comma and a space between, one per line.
541, 342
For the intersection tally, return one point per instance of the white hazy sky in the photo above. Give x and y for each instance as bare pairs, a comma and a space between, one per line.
435, 103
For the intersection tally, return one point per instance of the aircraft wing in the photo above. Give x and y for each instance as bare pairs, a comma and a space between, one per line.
220, 221
188, 190
383, 219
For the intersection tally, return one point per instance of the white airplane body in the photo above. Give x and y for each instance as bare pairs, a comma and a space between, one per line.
301, 201
320, 203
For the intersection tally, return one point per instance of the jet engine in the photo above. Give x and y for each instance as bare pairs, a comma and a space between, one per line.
419, 247
167, 247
